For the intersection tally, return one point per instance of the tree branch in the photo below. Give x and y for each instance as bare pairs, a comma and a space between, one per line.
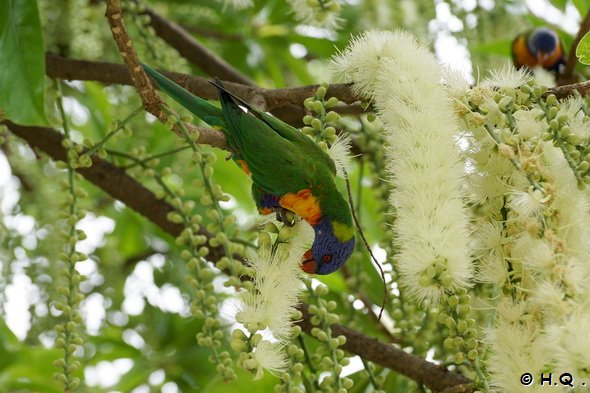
191, 49
121, 186
424, 372
566, 91
150, 99
111, 73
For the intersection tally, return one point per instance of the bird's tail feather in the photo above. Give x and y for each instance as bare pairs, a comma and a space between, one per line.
201, 108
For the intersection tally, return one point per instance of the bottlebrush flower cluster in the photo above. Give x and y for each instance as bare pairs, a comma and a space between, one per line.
400, 79
522, 172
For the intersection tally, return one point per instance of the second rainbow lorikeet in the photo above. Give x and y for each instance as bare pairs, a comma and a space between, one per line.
540, 47
288, 170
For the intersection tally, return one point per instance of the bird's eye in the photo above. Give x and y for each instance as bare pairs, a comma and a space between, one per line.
327, 258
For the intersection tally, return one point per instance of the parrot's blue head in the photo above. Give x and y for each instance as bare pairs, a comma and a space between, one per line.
543, 42
332, 246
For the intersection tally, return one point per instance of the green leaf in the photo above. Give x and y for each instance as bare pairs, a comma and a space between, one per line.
22, 62
583, 49
560, 4
581, 6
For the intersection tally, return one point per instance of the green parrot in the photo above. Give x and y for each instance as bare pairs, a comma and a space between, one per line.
288, 170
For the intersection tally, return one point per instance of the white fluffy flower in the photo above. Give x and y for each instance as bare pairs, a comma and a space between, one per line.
543, 77
277, 285
507, 77
404, 81
527, 204
271, 357
518, 347
339, 152
530, 123
318, 14
569, 343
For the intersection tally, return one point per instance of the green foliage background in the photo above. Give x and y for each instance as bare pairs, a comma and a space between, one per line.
257, 42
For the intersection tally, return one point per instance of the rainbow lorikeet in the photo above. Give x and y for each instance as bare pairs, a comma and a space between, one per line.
288, 170
539, 47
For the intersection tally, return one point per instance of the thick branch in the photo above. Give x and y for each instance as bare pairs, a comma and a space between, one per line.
426, 373
193, 50
110, 178
121, 186
111, 73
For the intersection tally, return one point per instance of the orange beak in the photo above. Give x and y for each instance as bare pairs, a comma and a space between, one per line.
308, 264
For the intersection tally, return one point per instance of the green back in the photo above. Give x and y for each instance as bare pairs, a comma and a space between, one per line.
281, 158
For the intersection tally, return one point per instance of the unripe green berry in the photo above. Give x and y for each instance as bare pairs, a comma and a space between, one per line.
318, 107
332, 102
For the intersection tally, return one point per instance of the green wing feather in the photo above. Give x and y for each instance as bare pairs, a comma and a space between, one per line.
281, 158
277, 164
283, 129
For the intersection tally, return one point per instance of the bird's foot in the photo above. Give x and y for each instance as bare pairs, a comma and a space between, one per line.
285, 216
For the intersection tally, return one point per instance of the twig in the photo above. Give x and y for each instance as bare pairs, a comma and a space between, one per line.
369, 305
565, 91
366, 243
191, 49
121, 186
570, 65
150, 99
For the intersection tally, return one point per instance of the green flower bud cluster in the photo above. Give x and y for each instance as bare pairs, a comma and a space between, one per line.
322, 9
243, 345
120, 127
328, 357
292, 379
68, 335
273, 234
206, 300
461, 341
196, 247
75, 156
320, 122
142, 22
575, 149
150, 44
355, 281
74, 28
413, 324
210, 337
492, 114
219, 224
437, 274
